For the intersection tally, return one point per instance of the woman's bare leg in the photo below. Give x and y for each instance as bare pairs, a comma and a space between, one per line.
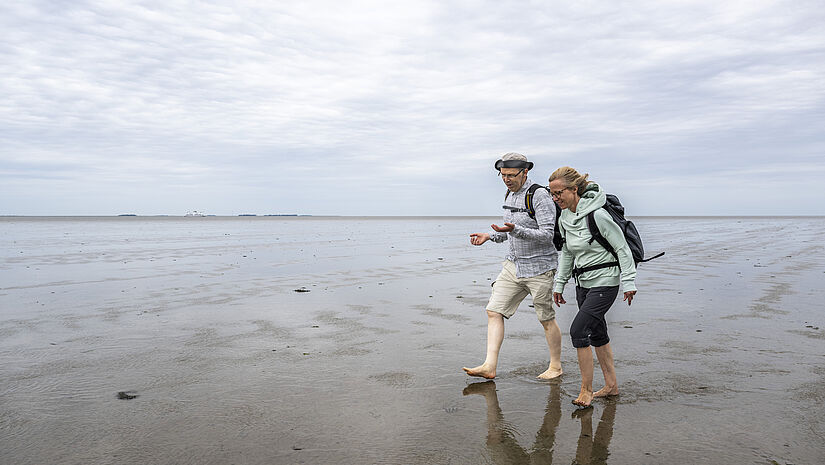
585, 356
611, 386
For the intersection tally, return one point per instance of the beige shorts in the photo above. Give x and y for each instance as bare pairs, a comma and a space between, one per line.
509, 291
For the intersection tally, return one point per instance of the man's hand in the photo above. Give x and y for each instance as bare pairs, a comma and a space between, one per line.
506, 228
628, 296
558, 299
479, 238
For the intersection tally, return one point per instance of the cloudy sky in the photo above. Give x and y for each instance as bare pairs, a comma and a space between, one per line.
401, 108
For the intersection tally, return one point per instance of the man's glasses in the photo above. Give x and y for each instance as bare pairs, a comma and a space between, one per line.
510, 176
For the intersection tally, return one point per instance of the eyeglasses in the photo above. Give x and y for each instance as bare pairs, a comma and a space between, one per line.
510, 176
558, 194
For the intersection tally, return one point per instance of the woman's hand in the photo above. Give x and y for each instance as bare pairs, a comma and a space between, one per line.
558, 299
628, 296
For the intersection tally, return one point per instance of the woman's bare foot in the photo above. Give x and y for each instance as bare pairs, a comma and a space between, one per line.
481, 371
585, 398
551, 373
607, 391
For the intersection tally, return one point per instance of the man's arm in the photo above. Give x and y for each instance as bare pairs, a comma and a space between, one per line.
498, 236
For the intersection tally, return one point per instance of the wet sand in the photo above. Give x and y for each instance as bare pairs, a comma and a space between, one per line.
197, 322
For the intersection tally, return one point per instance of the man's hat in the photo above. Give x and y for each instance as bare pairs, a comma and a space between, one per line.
514, 160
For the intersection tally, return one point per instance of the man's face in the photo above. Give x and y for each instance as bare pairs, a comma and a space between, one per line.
513, 178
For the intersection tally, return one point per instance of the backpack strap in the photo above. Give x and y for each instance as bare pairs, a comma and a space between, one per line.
597, 234
585, 269
528, 199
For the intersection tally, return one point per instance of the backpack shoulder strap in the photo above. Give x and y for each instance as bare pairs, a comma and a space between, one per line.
528, 199
597, 234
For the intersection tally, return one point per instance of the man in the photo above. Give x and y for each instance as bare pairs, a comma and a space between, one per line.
529, 268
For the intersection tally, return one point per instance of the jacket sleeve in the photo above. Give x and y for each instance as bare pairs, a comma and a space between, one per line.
611, 231
545, 217
496, 236
565, 269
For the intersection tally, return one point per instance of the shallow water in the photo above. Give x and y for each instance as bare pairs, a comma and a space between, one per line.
720, 359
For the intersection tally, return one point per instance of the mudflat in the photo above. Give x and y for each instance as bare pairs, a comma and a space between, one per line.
267, 340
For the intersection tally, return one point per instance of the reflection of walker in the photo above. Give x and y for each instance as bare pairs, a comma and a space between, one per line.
504, 448
592, 448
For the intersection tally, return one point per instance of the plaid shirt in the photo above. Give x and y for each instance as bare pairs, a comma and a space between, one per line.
531, 241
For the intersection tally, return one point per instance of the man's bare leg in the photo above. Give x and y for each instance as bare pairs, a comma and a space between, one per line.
495, 335
585, 356
611, 386
553, 335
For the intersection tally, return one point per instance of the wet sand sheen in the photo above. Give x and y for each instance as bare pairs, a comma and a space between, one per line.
720, 359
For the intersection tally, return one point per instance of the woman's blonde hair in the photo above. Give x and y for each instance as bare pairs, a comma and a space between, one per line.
571, 178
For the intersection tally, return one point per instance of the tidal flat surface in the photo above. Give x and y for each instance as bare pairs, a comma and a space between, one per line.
138, 340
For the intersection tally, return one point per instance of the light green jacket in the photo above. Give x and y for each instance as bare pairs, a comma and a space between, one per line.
577, 252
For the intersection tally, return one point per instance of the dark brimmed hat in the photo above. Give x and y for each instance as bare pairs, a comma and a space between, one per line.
513, 160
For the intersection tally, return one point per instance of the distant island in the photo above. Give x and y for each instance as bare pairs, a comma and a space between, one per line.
127, 214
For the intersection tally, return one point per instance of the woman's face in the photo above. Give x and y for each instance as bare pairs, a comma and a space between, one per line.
565, 197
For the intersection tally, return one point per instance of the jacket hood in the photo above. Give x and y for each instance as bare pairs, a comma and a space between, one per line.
592, 199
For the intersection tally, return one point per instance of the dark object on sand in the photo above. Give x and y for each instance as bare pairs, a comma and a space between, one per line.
125, 395
303, 289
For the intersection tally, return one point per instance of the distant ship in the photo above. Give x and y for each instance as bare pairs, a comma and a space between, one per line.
195, 213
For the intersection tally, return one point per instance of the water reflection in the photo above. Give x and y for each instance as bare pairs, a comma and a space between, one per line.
592, 449
505, 449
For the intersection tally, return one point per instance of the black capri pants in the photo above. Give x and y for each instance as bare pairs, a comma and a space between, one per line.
589, 326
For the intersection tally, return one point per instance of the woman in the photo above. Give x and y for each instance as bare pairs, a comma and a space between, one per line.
596, 289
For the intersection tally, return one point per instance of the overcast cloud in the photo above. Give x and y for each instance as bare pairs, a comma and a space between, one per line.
401, 108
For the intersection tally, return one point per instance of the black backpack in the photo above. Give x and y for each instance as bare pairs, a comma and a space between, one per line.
558, 240
631, 234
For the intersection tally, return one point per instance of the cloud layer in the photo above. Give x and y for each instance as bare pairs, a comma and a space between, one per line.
379, 108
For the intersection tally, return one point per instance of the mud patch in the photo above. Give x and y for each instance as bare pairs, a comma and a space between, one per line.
689, 348
396, 379
809, 333
439, 313
351, 352
521, 335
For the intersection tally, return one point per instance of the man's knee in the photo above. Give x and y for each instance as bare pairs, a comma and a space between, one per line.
494, 315
550, 324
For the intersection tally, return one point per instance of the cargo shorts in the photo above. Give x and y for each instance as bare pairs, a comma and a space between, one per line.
509, 291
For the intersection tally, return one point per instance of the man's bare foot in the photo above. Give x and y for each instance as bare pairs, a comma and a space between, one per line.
607, 391
481, 371
551, 373
585, 399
